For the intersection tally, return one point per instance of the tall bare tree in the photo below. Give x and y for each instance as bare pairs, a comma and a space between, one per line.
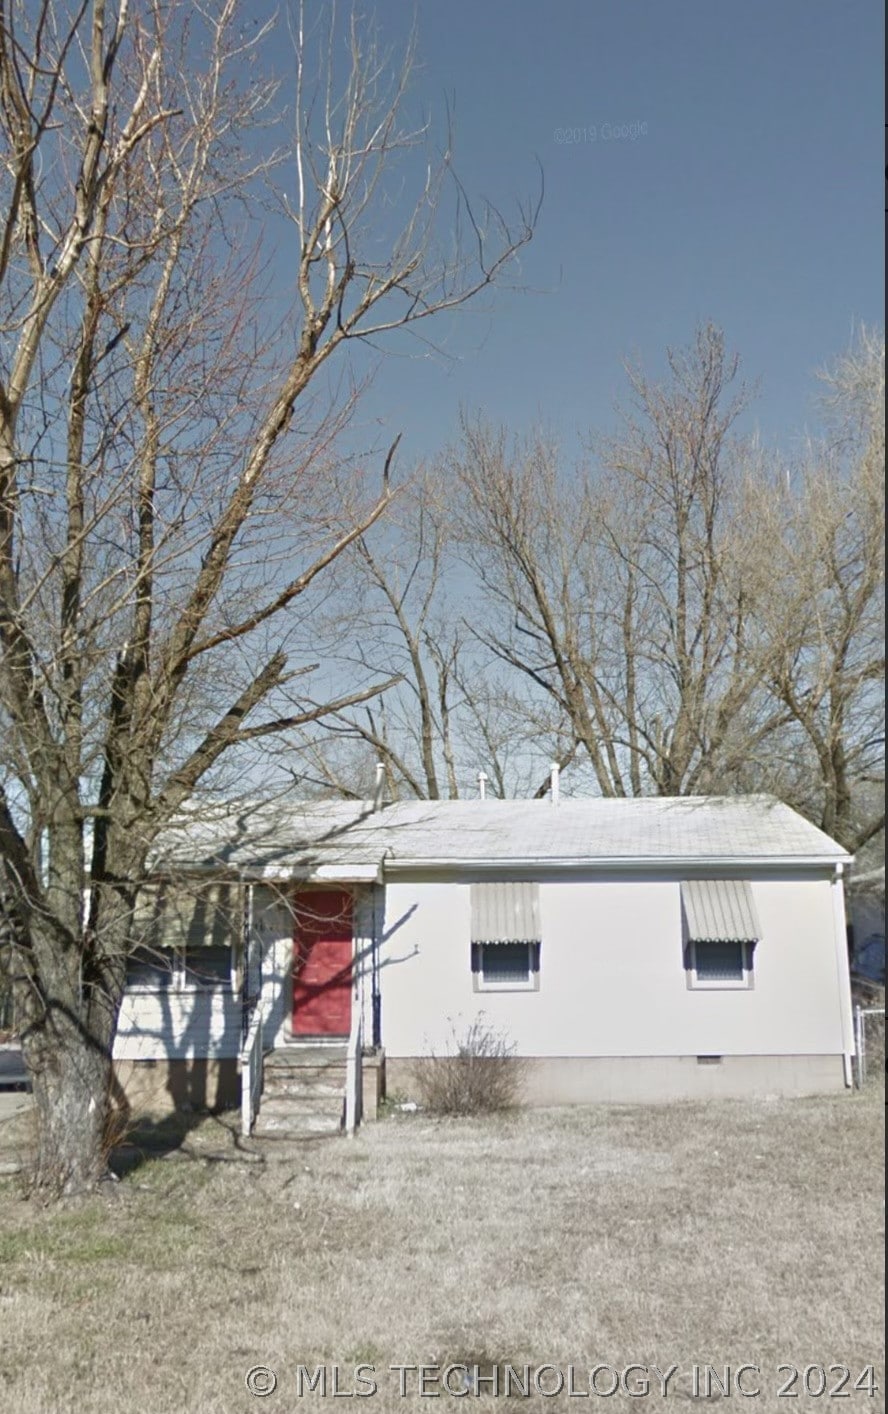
698, 618
615, 589
821, 532
405, 623
448, 717
169, 485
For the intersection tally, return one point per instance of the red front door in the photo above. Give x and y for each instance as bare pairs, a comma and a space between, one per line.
322, 963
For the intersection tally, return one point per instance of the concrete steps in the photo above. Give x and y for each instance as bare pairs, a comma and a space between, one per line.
303, 1092
297, 1086
285, 1116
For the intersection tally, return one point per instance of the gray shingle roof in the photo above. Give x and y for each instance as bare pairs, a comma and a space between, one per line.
296, 838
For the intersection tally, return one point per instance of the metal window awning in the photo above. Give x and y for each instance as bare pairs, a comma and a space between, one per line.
505, 913
720, 911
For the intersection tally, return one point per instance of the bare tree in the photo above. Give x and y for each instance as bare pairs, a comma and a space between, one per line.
698, 618
401, 576
615, 588
403, 604
685, 589
169, 481
400, 579
822, 534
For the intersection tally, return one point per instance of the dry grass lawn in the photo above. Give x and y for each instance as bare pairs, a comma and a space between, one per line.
720, 1233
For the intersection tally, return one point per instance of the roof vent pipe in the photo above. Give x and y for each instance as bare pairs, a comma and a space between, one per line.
482, 786
556, 783
380, 785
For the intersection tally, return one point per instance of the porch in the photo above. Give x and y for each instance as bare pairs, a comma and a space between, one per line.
310, 1060
255, 995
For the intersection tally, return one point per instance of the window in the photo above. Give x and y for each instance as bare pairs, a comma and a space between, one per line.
505, 966
187, 937
151, 969
207, 965
721, 930
720, 964
505, 937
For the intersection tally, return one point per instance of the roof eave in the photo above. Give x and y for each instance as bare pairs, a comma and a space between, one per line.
280, 873
624, 863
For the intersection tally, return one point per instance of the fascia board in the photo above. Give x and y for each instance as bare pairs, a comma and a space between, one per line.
268, 873
633, 863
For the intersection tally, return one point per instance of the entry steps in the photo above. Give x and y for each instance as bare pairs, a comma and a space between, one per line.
303, 1092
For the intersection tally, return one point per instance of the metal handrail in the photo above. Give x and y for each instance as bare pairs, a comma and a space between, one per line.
251, 1057
249, 1003
354, 1077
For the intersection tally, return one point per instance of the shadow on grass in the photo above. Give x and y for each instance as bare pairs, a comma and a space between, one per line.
202, 1136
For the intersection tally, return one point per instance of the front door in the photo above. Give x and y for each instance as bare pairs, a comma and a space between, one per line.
322, 963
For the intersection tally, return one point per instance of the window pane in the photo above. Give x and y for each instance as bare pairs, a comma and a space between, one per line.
505, 962
719, 962
207, 965
148, 968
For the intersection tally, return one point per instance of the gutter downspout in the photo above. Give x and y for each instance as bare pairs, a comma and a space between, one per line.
844, 974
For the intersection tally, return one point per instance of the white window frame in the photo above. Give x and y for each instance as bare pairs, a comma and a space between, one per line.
722, 984
530, 983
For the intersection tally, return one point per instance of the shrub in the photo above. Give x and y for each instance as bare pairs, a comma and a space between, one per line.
478, 1073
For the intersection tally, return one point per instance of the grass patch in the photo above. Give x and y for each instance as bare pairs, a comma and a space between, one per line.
58, 1246
717, 1232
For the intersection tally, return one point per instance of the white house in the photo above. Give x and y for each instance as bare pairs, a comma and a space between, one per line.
629, 949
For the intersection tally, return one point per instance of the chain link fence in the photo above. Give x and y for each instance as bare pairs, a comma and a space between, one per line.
869, 1037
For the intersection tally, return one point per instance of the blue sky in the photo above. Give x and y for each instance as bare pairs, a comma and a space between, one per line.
753, 198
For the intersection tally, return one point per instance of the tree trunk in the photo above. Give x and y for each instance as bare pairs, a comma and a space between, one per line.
71, 1078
